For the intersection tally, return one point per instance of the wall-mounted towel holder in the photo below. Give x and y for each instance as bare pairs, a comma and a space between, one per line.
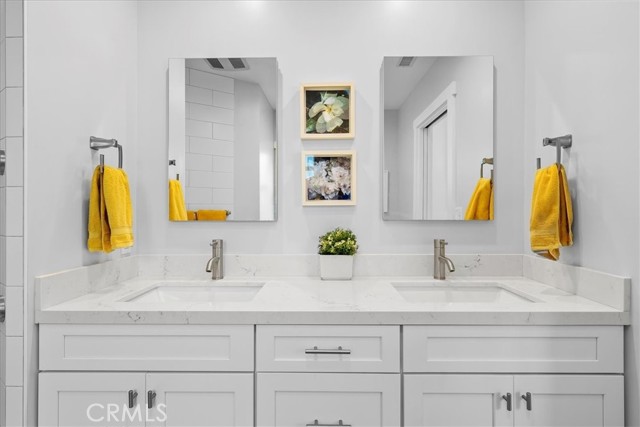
559, 142
486, 161
172, 162
96, 143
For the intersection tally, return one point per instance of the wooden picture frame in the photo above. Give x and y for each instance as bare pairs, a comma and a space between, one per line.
324, 123
328, 178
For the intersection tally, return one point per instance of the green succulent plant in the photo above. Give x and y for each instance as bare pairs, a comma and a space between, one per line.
340, 241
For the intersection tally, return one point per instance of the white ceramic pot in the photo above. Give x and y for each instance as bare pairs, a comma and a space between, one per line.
336, 267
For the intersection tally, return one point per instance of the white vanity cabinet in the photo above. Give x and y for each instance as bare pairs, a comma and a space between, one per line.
137, 399
328, 375
499, 376
212, 383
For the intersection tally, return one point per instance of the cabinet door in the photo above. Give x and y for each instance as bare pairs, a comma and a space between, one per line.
351, 399
68, 399
567, 400
199, 399
457, 400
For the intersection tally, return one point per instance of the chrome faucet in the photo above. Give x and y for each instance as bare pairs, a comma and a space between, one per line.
440, 260
215, 264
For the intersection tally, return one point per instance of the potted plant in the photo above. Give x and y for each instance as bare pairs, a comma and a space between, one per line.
336, 249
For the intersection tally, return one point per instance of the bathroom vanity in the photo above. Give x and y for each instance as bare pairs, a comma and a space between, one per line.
296, 351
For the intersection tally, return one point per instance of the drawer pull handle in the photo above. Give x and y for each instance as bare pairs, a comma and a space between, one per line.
527, 398
132, 398
151, 395
316, 350
317, 424
507, 397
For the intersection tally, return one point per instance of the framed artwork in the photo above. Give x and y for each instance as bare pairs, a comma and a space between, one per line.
328, 178
327, 111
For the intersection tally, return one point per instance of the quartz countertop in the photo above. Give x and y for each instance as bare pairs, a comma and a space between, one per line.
308, 300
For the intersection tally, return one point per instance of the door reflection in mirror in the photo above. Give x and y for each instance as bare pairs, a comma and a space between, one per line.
437, 129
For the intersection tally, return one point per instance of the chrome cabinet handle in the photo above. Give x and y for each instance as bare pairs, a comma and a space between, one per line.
316, 350
132, 398
527, 398
3, 308
3, 161
317, 424
151, 395
507, 397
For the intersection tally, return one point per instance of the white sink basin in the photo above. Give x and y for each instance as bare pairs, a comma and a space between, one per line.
476, 292
172, 292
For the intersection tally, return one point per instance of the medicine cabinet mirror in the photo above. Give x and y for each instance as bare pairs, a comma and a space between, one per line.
223, 138
438, 135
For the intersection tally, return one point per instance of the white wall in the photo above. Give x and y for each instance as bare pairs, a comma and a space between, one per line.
582, 78
81, 72
367, 32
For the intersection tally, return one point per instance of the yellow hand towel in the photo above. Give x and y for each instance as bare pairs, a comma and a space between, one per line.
99, 233
177, 210
110, 212
551, 212
192, 215
212, 215
481, 204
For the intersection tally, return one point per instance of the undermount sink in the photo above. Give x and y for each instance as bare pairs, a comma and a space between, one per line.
476, 292
170, 292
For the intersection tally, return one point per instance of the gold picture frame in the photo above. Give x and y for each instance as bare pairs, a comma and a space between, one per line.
325, 113
329, 178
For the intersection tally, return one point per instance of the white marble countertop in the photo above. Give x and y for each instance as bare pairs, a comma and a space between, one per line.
308, 300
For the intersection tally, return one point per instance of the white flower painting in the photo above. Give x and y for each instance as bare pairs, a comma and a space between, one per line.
329, 178
327, 111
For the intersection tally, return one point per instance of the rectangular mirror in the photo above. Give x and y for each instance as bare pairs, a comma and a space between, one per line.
437, 138
223, 139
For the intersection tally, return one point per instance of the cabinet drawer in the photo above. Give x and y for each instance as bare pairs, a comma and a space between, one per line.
328, 348
286, 399
146, 348
554, 349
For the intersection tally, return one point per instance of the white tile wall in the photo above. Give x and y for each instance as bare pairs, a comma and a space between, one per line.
13, 361
210, 146
14, 111
199, 95
11, 212
210, 81
13, 322
13, 174
13, 18
199, 129
223, 132
13, 73
14, 211
210, 119
223, 100
14, 407
207, 113
199, 162
222, 164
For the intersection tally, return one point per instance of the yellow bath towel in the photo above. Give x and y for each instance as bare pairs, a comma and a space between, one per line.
551, 212
192, 216
177, 209
212, 215
481, 204
110, 212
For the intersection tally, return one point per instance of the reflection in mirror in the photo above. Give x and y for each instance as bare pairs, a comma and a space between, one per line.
222, 139
438, 138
